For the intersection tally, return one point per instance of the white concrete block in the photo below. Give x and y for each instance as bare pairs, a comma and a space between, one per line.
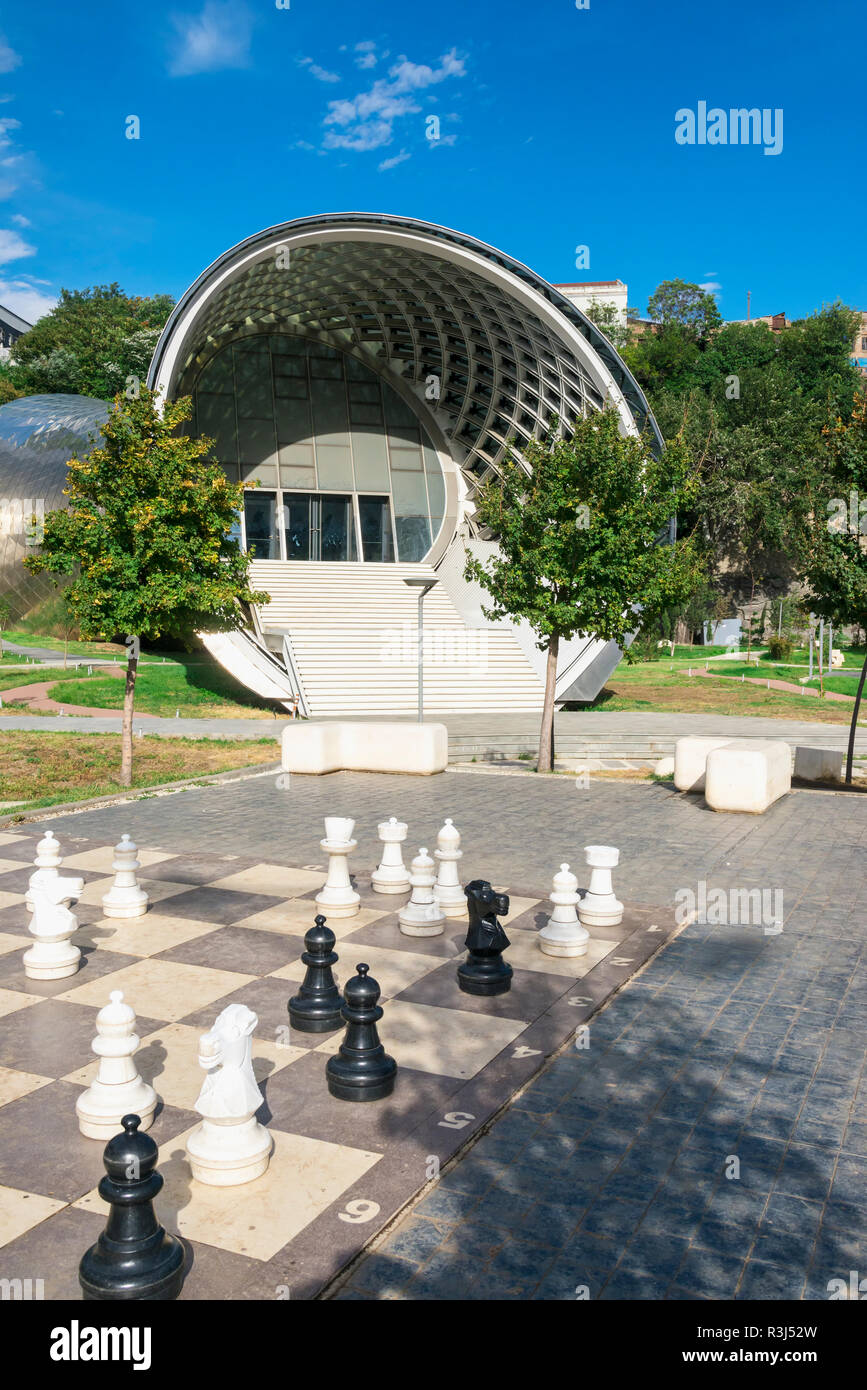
819, 764
355, 746
748, 774
690, 759
665, 767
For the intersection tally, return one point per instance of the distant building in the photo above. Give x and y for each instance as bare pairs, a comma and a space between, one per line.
859, 347
588, 292
776, 322
11, 329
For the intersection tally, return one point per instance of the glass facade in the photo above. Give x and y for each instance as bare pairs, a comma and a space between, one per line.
345, 469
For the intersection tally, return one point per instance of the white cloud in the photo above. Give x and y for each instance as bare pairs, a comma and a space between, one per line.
9, 59
7, 123
321, 74
710, 286
20, 220
217, 38
366, 121
366, 54
13, 247
22, 298
394, 161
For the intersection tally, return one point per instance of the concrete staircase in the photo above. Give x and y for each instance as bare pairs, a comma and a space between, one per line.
351, 631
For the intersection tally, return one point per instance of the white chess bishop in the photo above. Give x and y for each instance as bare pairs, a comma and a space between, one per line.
52, 955
229, 1147
422, 915
448, 892
47, 862
125, 898
563, 934
118, 1089
337, 897
391, 876
599, 907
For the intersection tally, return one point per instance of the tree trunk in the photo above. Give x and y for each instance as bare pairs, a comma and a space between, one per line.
126, 735
851, 750
546, 736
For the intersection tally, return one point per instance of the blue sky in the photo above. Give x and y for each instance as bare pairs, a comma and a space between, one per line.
557, 130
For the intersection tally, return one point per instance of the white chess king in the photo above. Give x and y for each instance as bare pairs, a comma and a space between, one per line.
52, 955
125, 898
118, 1089
229, 1147
563, 934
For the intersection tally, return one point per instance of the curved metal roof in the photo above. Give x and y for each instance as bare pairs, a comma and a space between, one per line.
415, 301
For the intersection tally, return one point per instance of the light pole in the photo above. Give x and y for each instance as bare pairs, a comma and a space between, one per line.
423, 586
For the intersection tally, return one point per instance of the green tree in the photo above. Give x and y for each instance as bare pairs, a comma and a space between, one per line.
578, 523
146, 534
834, 556
5, 612
90, 343
685, 305
606, 319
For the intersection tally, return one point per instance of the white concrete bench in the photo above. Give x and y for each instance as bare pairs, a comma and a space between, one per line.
818, 765
354, 746
690, 760
748, 774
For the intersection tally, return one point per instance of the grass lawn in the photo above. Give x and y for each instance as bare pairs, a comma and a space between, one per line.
43, 769
15, 675
651, 685
194, 685
22, 638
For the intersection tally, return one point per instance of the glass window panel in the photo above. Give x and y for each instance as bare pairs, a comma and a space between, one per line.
215, 418
374, 514
397, 412
297, 454
406, 460
329, 411
371, 460
296, 475
364, 391
260, 515
296, 523
410, 494
436, 487
358, 371
293, 422
360, 413
217, 375
264, 473
334, 466
413, 538
289, 366
294, 387
321, 368
256, 442
251, 365
285, 342
336, 529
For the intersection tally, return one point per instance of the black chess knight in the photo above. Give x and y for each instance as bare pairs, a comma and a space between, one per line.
316, 1007
484, 971
134, 1257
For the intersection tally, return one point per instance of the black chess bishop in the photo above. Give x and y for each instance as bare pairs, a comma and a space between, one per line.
362, 1069
316, 1008
484, 971
134, 1258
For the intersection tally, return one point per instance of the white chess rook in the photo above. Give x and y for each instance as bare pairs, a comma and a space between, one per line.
422, 916
48, 861
52, 955
125, 898
118, 1089
563, 934
599, 907
229, 1147
391, 875
337, 897
447, 890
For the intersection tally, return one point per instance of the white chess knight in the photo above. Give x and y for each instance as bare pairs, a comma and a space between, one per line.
448, 892
125, 898
229, 1147
422, 915
52, 955
599, 907
337, 897
563, 934
118, 1089
48, 861
391, 875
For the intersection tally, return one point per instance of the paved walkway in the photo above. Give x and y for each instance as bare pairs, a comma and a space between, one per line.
711, 1142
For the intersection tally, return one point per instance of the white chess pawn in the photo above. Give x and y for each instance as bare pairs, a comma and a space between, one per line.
229, 1147
447, 890
337, 897
563, 934
52, 955
48, 861
422, 916
118, 1089
599, 907
391, 875
125, 898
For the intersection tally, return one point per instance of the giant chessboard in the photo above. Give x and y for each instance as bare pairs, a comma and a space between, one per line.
226, 929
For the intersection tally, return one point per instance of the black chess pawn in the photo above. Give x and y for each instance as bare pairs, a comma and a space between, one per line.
484, 971
361, 1070
316, 1008
134, 1257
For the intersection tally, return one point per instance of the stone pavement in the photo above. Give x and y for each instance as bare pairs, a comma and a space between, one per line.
711, 1141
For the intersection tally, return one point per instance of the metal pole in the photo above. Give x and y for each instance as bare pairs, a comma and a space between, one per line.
420, 657
821, 642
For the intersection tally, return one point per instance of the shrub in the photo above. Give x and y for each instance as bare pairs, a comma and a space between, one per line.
780, 648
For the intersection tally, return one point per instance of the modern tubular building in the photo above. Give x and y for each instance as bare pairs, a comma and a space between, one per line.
367, 372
